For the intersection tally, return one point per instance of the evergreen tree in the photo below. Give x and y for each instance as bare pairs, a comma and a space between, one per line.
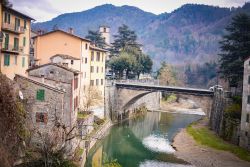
124, 38
96, 38
235, 48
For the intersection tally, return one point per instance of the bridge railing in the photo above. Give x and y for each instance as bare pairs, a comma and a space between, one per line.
131, 81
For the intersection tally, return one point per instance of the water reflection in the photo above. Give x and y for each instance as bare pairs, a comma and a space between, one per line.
141, 141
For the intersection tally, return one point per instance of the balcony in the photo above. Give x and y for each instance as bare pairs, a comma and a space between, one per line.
12, 49
13, 28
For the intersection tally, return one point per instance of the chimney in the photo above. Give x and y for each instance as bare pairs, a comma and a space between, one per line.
42, 77
71, 30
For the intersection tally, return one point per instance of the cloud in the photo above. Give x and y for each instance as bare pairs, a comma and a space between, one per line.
41, 10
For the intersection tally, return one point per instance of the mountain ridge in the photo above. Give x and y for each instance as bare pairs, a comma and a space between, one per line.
189, 34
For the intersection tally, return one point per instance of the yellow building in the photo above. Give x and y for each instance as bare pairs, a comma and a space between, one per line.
49, 45
15, 46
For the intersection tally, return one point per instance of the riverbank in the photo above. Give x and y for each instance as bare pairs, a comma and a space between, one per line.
200, 155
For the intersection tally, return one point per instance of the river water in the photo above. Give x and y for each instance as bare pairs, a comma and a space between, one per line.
142, 142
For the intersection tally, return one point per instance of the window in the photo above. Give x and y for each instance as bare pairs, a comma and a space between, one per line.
40, 94
97, 82
6, 44
247, 119
92, 56
98, 56
101, 81
24, 24
24, 41
75, 83
86, 60
97, 69
17, 24
248, 99
86, 46
75, 102
72, 62
7, 18
92, 69
16, 44
91, 82
6, 60
15, 60
23, 61
41, 117
104, 29
246, 133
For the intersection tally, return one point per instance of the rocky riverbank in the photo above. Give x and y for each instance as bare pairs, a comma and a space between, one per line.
201, 156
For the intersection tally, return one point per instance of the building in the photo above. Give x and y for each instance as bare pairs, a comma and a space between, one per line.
44, 107
15, 46
105, 32
245, 114
88, 59
65, 79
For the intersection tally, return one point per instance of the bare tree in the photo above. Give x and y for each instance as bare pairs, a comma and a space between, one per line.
92, 97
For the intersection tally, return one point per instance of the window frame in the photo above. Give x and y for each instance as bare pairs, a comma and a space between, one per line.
40, 95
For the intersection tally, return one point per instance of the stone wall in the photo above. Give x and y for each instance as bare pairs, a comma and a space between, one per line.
220, 122
121, 101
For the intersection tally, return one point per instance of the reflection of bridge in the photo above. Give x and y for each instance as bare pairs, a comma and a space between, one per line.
124, 97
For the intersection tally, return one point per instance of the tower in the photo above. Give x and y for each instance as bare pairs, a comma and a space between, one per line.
105, 31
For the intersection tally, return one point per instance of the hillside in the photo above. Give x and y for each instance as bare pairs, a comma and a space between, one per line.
188, 34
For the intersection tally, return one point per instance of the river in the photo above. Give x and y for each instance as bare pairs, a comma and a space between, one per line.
142, 142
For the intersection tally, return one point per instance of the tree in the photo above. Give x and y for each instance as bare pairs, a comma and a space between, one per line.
96, 38
6, 3
92, 96
12, 129
235, 47
125, 61
125, 37
167, 75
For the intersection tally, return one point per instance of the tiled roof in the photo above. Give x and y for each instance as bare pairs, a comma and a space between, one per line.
17, 12
64, 57
58, 65
97, 48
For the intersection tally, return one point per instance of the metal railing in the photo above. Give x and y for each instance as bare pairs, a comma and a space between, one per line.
132, 81
11, 48
13, 28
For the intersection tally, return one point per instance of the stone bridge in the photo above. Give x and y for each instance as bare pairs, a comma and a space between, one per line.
123, 98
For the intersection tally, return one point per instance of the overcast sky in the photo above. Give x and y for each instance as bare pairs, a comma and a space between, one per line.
43, 10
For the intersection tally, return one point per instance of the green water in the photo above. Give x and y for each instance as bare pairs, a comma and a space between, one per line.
144, 141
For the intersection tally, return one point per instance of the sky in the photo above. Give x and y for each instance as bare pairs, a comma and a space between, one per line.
44, 10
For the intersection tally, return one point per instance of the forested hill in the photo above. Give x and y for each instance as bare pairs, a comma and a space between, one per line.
188, 34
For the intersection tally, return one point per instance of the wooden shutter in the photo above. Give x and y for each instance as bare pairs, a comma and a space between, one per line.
6, 60
40, 94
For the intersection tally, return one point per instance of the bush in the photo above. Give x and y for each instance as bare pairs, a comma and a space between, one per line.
233, 111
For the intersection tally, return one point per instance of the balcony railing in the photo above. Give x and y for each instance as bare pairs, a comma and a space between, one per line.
13, 28
12, 48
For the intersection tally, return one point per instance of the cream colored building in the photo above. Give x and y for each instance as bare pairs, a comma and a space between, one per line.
78, 53
15, 46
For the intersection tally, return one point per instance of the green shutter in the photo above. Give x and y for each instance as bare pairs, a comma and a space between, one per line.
40, 94
23, 61
24, 41
25, 23
6, 60
6, 42
16, 43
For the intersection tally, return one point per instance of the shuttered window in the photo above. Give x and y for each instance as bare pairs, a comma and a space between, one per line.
6, 60
42, 117
23, 61
40, 94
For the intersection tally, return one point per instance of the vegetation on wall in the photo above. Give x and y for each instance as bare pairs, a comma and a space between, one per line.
12, 130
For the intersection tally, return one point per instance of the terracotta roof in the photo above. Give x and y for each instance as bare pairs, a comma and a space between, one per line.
64, 57
41, 83
92, 47
65, 32
58, 65
17, 12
